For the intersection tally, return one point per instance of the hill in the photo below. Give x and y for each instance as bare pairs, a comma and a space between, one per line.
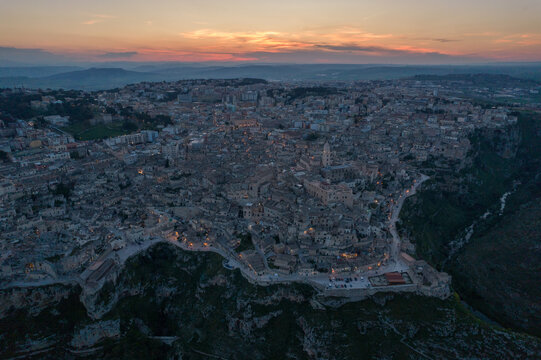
89, 79
36, 71
188, 300
105, 78
496, 271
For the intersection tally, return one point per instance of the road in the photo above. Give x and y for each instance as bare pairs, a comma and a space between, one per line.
359, 280
396, 244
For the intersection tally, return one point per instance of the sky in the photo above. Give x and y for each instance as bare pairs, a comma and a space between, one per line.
277, 31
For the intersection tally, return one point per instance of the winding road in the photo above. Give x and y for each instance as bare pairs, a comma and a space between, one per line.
395, 246
270, 277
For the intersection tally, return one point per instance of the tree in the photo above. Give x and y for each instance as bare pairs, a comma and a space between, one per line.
129, 125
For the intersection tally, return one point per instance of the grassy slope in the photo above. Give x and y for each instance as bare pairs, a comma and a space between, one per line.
435, 217
507, 286
56, 323
497, 270
208, 317
212, 310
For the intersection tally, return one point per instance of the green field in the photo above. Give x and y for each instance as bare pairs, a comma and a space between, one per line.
82, 131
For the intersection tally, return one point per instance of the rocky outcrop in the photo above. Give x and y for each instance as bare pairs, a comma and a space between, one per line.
100, 302
33, 299
504, 142
169, 304
93, 334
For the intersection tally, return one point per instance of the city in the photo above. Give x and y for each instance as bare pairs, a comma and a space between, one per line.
286, 182
270, 180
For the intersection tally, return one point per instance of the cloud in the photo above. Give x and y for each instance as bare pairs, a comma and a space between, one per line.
118, 55
98, 18
12, 55
520, 39
348, 42
377, 50
104, 16
152, 54
357, 34
241, 36
336, 35
246, 41
280, 41
386, 56
443, 40
482, 34
368, 49
92, 22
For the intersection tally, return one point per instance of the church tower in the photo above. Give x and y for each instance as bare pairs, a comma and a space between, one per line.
326, 156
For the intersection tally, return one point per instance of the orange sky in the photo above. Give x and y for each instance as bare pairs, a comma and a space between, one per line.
350, 31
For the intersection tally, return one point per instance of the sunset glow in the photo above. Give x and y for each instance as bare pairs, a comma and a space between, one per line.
315, 31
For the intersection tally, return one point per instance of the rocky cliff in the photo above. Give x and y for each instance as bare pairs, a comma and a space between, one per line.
173, 304
495, 269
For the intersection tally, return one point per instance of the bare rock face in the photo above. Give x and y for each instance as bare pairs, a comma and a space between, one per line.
33, 299
100, 302
92, 334
504, 142
382, 299
167, 304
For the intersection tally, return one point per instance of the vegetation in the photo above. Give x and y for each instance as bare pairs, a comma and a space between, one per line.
481, 80
453, 199
3, 156
245, 242
499, 271
84, 131
215, 311
54, 258
77, 111
491, 271
251, 81
55, 323
134, 345
18, 105
302, 92
63, 189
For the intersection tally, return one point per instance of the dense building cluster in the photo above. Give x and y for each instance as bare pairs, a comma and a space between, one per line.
286, 178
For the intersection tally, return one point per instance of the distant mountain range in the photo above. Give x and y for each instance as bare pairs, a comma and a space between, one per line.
84, 79
97, 78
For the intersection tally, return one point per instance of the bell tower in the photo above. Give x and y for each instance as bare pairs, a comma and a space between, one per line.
326, 156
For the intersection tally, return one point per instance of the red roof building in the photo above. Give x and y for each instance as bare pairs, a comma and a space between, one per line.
395, 278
